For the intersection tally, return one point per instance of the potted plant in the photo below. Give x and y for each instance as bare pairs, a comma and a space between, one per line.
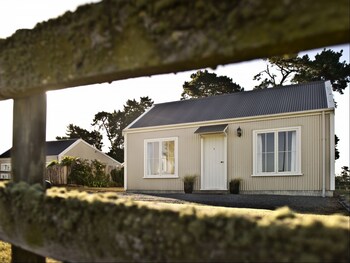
234, 185
189, 181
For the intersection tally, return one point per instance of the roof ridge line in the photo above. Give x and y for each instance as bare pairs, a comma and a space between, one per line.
243, 92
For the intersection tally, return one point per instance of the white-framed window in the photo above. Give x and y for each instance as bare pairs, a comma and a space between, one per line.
5, 176
5, 167
161, 158
277, 152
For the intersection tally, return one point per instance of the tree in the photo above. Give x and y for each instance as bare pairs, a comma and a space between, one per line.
343, 180
285, 66
114, 123
336, 154
325, 66
345, 173
204, 84
74, 132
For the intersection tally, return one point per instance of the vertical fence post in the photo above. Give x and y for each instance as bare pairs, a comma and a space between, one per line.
28, 155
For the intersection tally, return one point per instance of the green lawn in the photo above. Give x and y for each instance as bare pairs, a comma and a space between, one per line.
94, 189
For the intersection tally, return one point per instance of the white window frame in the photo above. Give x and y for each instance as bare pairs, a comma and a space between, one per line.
298, 152
4, 176
160, 140
3, 169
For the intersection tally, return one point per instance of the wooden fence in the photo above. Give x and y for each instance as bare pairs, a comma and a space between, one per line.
57, 174
117, 39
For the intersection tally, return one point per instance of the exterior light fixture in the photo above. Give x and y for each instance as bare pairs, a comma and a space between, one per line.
239, 132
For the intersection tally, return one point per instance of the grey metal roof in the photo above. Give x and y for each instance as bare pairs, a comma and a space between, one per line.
211, 129
291, 98
52, 147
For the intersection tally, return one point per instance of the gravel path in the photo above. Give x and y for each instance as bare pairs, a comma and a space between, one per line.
302, 204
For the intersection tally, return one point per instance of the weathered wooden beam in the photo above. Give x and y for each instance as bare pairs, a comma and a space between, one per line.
118, 39
20, 255
81, 227
28, 154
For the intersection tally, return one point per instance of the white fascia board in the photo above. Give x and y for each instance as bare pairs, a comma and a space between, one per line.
125, 164
228, 121
132, 123
332, 152
329, 94
59, 156
82, 141
107, 156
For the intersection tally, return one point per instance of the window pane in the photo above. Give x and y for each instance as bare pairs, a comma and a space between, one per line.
282, 152
265, 152
293, 150
286, 156
153, 158
282, 141
168, 160
270, 162
270, 142
290, 136
287, 151
160, 159
283, 161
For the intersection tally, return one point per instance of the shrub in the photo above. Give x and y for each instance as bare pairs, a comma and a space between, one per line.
52, 163
68, 160
189, 178
81, 173
99, 178
118, 177
234, 185
342, 181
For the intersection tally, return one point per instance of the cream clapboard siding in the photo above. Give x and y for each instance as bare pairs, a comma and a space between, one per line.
5, 160
239, 156
85, 151
189, 161
5, 174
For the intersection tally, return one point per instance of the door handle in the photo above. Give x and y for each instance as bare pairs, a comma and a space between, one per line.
222, 162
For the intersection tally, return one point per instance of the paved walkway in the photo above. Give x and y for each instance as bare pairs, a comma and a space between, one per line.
302, 204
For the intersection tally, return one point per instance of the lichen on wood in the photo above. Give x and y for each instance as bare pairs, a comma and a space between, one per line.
82, 227
118, 39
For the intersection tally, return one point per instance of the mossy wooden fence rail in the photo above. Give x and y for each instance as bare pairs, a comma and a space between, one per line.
118, 39
80, 227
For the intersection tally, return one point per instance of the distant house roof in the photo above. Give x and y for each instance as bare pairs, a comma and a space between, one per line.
52, 147
56, 147
285, 99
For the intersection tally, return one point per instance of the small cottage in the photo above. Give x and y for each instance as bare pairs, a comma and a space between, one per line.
56, 150
277, 140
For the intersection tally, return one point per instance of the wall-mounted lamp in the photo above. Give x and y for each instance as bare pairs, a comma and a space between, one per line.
239, 132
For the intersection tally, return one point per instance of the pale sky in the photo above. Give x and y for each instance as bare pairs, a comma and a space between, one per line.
79, 105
